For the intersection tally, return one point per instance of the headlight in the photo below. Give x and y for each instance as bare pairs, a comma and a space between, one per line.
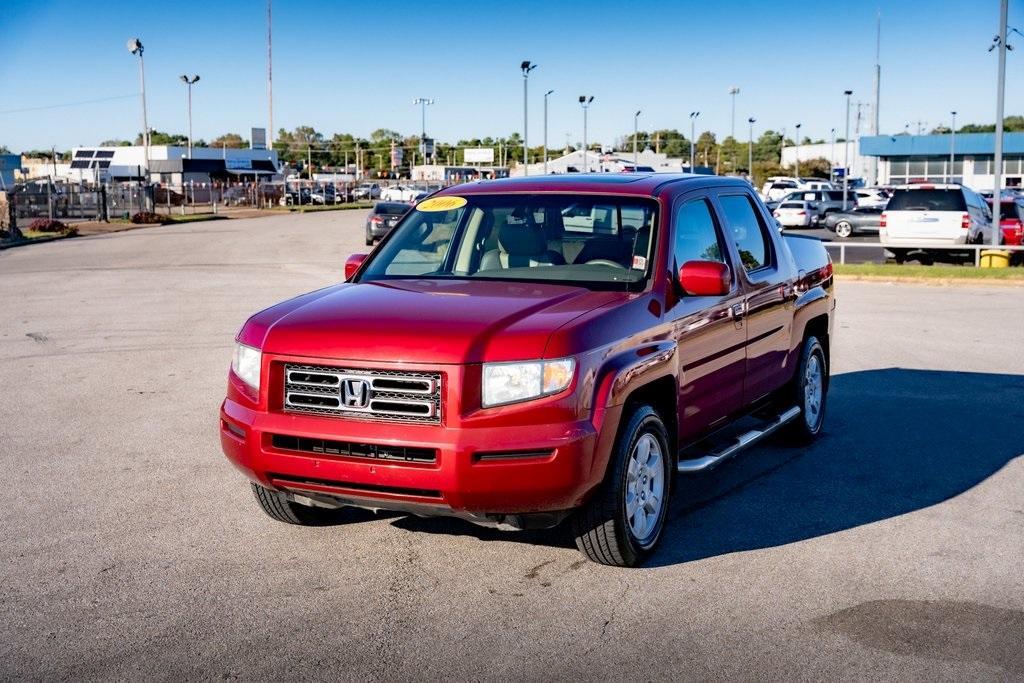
512, 382
246, 364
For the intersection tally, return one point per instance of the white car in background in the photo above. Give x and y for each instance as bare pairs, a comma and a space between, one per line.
777, 187
871, 197
792, 214
921, 215
399, 193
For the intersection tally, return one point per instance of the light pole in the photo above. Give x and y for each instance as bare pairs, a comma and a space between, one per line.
846, 150
952, 146
832, 156
423, 102
693, 140
527, 68
585, 103
750, 149
189, 82
135, 47
733, 92
636, 118
798, 151
546, 130
1000, 93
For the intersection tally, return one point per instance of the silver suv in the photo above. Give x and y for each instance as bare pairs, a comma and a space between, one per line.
820, 202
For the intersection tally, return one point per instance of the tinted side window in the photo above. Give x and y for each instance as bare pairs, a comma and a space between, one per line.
747, 231
696, 236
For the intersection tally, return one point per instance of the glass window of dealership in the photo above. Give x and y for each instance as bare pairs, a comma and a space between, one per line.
925, 158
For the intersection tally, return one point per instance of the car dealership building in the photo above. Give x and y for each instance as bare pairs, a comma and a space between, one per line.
925, 158
171, 165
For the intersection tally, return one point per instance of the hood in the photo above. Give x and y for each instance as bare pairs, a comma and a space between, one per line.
425, 321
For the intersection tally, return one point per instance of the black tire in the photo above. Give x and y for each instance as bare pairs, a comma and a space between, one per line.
279, 508
843, 229
601, 527
369, 239
807, 426
899, 255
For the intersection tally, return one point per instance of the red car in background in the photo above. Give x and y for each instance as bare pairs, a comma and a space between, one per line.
523, 351
1011, 220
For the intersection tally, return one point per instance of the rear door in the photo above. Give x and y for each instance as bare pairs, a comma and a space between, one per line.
710, 331
768, 302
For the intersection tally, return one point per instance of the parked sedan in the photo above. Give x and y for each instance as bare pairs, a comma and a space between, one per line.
399, 193
860, 219
382, 218
794, 214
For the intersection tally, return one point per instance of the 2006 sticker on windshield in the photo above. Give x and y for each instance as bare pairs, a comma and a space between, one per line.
441, 204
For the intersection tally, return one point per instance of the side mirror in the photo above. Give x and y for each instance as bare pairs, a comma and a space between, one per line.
352, 264
705, 278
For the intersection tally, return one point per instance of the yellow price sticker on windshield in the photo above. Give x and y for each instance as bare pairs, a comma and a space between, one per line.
441, 204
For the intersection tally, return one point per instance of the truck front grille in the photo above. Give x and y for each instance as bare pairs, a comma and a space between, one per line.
396, 396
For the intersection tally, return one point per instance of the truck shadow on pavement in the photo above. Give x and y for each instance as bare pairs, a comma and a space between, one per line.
896, 441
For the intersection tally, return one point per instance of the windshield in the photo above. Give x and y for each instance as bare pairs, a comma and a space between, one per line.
927, 200
600, 242
391, 209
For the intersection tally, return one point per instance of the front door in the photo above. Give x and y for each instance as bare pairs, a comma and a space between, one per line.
710, 331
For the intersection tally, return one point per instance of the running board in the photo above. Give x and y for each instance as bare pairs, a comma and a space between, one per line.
715, 458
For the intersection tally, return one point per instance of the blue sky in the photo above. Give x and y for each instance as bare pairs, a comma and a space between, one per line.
357, 66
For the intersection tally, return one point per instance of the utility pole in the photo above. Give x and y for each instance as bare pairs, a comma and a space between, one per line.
997, 186
636, 118
878, 90
952, 147
693, 139
832, 155
527, 67
189, 82
270, 80
846, 150
546, 130
423, 102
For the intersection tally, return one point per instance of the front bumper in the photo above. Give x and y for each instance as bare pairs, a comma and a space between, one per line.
525, 468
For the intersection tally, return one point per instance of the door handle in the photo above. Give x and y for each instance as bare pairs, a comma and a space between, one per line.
736, 311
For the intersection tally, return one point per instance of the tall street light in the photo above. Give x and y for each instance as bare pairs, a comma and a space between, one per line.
423, 102
585, 103
798, 149
527, 67
750, 149
832, 156
846, 150
546, 130
693, 140
952, 146
636, 118
733, 92
189, 82
135, 47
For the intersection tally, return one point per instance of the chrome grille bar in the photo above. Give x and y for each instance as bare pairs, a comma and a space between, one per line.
399, 396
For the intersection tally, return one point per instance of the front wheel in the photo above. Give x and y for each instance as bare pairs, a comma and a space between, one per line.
623, 521
844, 229
808, 391
278, 507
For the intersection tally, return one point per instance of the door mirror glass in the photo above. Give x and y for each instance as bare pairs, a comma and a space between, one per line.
705, 278
352, 265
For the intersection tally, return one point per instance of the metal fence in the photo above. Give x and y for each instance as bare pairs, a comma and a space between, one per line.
911, 248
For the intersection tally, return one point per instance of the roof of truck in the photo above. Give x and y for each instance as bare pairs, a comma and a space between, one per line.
640, 184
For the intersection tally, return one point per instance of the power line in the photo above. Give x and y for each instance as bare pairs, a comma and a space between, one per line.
68, 104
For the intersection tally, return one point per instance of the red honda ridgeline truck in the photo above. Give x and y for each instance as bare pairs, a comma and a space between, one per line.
520, 351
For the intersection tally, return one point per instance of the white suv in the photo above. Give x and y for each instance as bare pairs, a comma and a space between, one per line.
942, 215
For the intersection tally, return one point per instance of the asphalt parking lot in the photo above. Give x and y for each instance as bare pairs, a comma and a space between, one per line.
892, 548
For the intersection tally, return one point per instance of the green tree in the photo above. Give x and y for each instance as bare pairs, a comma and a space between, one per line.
230, 140
116, 143
157, 137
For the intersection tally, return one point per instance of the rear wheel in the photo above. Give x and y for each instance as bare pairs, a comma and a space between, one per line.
808, 391
844, 229
623, 521
278, 507
369, 237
